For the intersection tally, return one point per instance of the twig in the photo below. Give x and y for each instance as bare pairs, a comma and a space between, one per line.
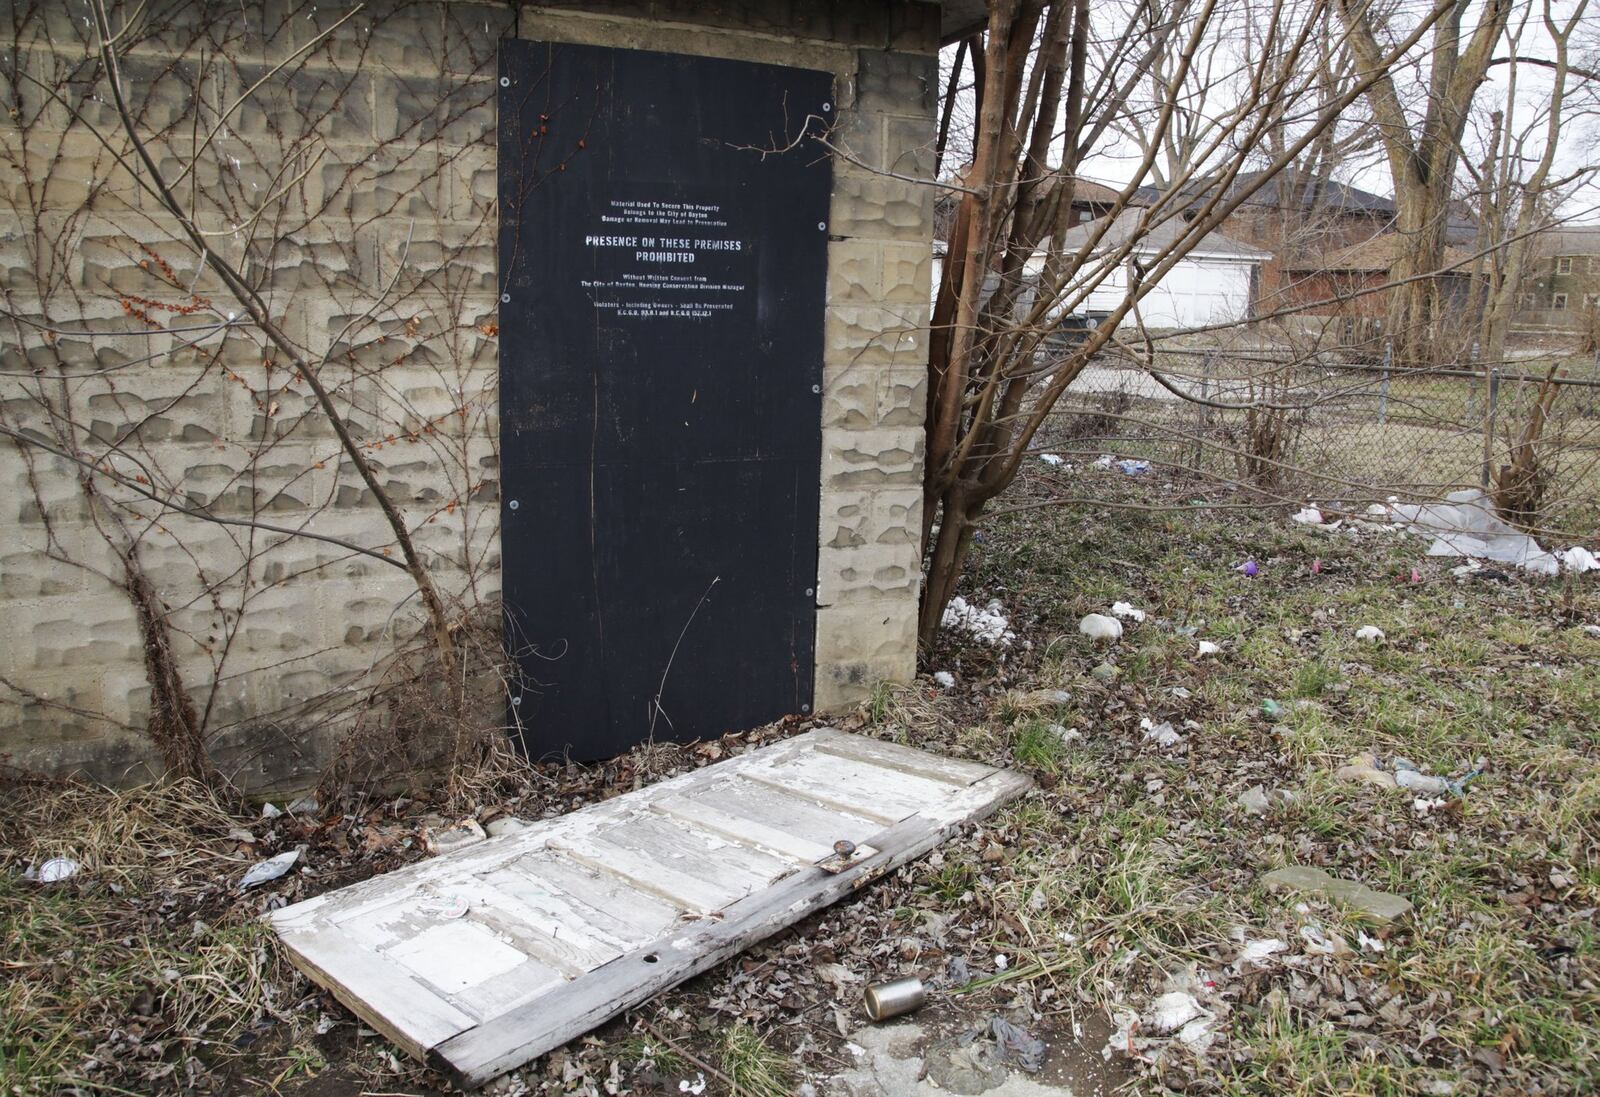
691, 1056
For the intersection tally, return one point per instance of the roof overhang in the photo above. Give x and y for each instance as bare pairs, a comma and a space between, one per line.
959, 18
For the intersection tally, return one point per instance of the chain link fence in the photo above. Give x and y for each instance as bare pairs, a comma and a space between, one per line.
1294, 430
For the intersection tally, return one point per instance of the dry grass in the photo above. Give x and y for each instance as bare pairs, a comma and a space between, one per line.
119, 978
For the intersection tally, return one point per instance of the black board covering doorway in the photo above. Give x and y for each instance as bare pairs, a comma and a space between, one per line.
663, 260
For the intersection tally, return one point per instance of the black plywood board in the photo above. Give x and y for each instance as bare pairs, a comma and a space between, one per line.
663, 264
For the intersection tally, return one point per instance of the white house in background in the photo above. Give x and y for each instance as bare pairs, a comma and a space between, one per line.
1214, 283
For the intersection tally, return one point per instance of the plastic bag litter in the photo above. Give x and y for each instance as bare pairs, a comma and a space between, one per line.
1579, 559
1017, 1045
1465, 524
273, 867
1126, 611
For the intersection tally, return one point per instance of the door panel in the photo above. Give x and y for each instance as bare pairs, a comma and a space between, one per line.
661, 358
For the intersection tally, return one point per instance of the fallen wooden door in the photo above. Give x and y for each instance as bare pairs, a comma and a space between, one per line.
480, 960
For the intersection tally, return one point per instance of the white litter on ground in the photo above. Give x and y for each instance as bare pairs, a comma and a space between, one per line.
1163, 733
1579, 560
1370, 634
1098, 627
1054, 460
1171, 1012
270, 869
1126, 611
1257, 951
58, 869
1309, 516
987, 624
1465, 524
1207, 648
944, 679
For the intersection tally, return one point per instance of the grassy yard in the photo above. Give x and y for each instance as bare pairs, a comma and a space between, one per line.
1134, 869
1136, 861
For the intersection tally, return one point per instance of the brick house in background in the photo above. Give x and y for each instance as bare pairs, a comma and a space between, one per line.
1346, 284
1562, 291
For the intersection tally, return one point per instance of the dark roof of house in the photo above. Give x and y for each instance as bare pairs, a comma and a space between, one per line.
1160, 236
1087, 190
1322, 194
1570, 240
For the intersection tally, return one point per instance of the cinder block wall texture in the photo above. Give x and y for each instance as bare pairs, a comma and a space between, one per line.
347, 168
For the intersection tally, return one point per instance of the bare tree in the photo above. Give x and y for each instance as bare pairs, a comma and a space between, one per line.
1421, 129
1009, 279
1521, 180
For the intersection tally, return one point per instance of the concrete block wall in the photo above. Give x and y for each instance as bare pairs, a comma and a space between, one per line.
377, 147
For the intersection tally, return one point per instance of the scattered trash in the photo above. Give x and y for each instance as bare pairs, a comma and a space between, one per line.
57, 869
1054, 460
988, 624
1126, 611
1579, 559
1321, 942
1404, 773
1370, 634
957, 973
1016, 1045
1409, 777
1100, 628
1257, 951
1592, 630
1104, 461
1001, 961
270, 811
698, 1086
1271, 709
1309, 516
1065, 734
897, 996
1207, 648
273, 867
506, 824
1171, 1012
463, 832
944, 679
1254, 800
1368, 944
305, 805
1364, 768
1132, 467
1164, 734
1249, 568
1465, 524
1379, 907
1316, 566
